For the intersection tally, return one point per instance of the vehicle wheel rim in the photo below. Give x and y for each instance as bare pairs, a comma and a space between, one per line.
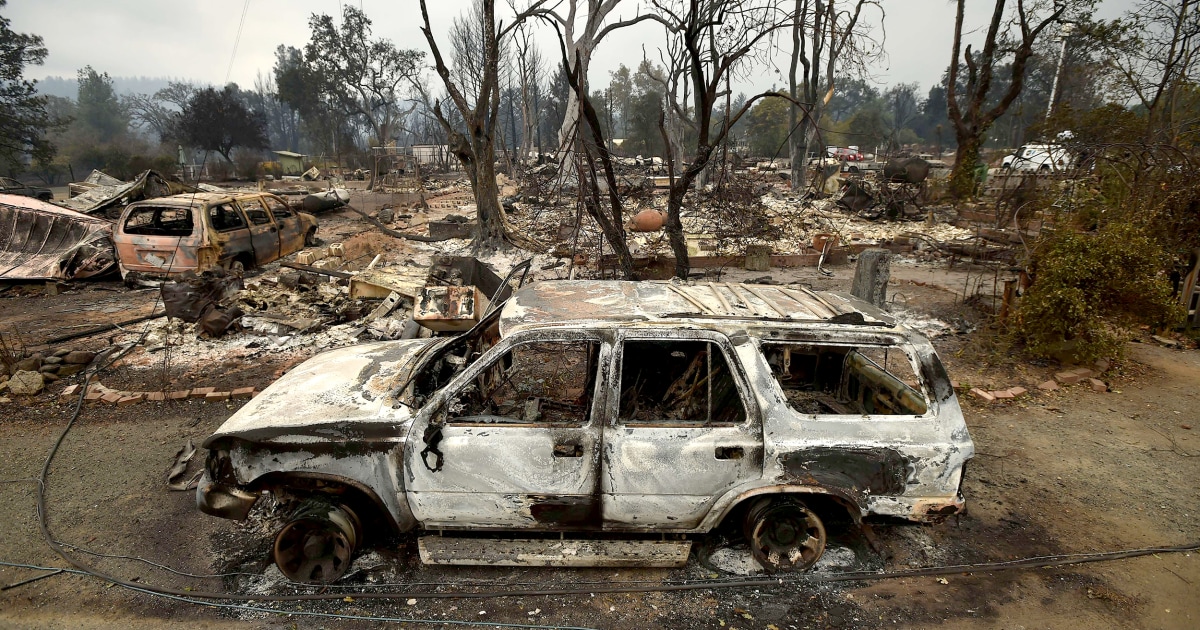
784, 535
318, 545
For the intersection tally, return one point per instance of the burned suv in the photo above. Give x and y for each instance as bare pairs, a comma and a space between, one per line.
602, 423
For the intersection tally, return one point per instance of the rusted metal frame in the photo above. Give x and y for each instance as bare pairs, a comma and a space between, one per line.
758, 312
762, 296
704, 310
822, 300
810, 300
712, 286
317, 270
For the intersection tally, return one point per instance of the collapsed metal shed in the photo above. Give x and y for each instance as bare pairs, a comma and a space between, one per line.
42, 241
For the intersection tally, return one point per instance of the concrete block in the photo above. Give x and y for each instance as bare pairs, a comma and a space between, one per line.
1048, 386
69, 392
216, 396
1001, 394
201, 392
871, 275
1018, 391
1102, 365
337, 249
179, 394
156, 396
131, 400
1083, 372
1098, 385
93, 397
242, 392
982, 395
111, 398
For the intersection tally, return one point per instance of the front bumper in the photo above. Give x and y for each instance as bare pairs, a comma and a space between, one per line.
223, 500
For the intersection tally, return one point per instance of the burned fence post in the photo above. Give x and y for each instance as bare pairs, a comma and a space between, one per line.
871, 275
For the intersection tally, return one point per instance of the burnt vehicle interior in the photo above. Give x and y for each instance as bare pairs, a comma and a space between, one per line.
675, 381
843, 380
445, 361
160, 221
537, 383
224, 217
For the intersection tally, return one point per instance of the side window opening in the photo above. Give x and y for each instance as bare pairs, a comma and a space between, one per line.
673, 381
278, 209
848, 381
224, 217
546, 383
255, 211
159, 221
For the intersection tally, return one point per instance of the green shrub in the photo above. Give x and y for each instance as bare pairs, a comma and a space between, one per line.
1090, 289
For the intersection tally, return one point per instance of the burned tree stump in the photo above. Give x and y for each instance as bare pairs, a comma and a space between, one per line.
871, 275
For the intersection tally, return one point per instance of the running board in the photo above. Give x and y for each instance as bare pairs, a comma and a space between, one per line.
553, 553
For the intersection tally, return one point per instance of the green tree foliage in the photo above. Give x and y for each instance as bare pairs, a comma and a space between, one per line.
640, 120
358, 76
620, 89
219, 121
849, 96
767, 128
23, 116
98, 107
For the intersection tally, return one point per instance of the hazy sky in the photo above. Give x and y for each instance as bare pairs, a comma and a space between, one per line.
195, 40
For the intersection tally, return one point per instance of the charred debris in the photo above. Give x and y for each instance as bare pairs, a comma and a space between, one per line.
373, 286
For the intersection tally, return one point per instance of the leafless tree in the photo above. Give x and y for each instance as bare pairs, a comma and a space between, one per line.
708, 42
157, 111
824, 40
1007, 34
530, 69
581, 40
1154, 55
474, 142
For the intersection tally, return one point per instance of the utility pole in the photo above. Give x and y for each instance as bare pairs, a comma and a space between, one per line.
1063, 34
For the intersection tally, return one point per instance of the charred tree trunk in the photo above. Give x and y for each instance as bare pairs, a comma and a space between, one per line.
962, 179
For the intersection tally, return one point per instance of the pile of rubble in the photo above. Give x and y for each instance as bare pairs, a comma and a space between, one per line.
28, 374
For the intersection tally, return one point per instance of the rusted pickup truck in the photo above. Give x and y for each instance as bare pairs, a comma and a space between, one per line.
196, 231
610, 423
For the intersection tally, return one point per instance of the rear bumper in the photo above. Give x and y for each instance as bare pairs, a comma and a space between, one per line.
225, 501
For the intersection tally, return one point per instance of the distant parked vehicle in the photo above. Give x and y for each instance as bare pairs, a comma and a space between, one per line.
198, 231
10, 186
1033, 158
850, 153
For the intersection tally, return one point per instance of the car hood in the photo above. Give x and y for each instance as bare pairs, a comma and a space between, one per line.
340, 395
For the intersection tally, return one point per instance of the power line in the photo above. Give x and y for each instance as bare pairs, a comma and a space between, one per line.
237, 40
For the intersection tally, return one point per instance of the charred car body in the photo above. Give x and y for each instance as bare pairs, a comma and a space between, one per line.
168, 236
631, 414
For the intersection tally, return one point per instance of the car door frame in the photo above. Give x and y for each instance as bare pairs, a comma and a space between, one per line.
454, 495
264, 237
668, 477
291, 229
230, 243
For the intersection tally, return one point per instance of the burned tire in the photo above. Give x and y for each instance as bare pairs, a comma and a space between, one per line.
310, 238
784, 534
318, 544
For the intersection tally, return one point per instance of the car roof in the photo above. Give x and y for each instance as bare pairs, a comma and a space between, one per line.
188, 199
592, 303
